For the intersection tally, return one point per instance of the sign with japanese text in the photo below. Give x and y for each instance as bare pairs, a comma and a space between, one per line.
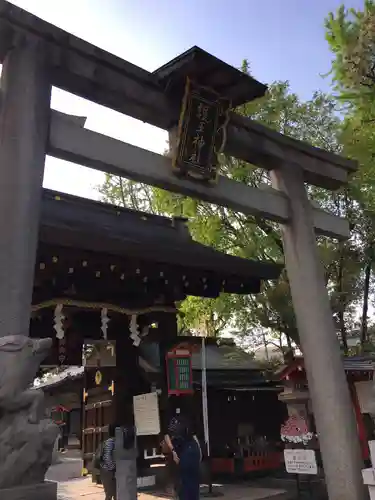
146, 414
179, 372
203, 116
300, 462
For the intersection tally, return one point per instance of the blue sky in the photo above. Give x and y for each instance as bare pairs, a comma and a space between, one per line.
282, 39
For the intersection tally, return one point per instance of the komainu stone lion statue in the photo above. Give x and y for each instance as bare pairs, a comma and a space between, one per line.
26, 437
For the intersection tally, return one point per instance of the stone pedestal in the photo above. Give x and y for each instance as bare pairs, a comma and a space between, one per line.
43, 491
126, 479
126, 466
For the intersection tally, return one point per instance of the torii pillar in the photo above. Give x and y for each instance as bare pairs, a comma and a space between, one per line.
24, 124
333, 410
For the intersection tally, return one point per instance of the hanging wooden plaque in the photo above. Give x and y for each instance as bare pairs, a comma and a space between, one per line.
201, 133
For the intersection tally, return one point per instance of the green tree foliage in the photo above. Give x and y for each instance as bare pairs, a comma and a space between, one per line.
314, 121
125, 193
351, 37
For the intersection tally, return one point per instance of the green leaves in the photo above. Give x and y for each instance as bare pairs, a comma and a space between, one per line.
351, 37
318, 122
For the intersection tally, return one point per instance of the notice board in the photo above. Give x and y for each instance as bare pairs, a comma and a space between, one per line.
146, 414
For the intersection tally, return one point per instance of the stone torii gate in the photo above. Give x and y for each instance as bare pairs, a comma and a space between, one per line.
37, 55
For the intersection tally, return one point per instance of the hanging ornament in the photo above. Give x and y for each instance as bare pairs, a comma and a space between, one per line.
134, 330
62, 350
105, 321
59, 322
98, 377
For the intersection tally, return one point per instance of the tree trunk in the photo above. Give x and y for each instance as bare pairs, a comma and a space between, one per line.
365, 302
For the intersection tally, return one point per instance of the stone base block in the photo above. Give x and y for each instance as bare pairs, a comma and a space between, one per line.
42, 491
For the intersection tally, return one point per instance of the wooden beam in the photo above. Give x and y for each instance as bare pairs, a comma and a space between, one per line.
71, 142
96, 75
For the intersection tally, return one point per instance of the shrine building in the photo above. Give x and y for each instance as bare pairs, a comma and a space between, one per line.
110, 275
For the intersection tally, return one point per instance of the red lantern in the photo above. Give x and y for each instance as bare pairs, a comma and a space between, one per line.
179, 372
58, 414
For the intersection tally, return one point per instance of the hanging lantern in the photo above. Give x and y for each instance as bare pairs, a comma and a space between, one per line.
179, 372
59, 414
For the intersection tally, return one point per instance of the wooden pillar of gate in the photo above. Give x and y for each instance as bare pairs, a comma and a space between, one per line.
328, 386
24, 123
126, 372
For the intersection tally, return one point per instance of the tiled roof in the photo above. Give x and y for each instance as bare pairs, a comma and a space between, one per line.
225, 357
351, 364
71, 373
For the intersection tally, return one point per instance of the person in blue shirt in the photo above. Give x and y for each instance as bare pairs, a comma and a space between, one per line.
187, 454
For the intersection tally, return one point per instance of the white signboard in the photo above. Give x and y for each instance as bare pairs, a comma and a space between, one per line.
146, 414
300, 462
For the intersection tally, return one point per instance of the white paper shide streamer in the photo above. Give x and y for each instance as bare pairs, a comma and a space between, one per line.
59, 322
105, 320
134, 330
